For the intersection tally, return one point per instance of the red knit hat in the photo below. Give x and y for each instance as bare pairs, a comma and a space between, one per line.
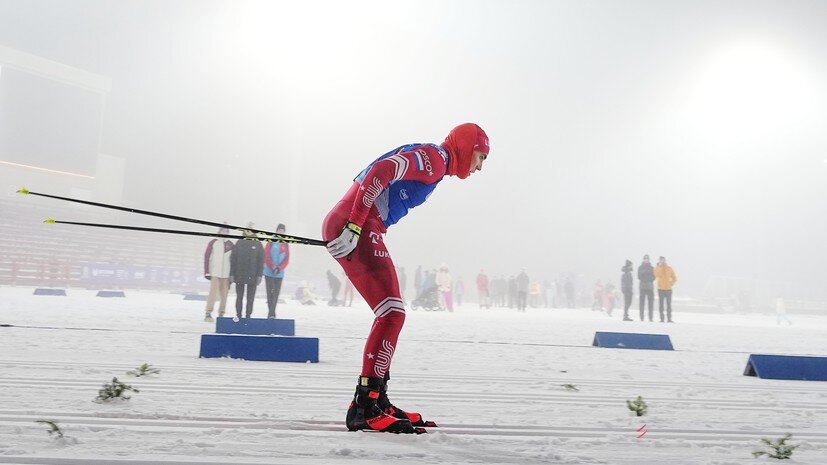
461, 144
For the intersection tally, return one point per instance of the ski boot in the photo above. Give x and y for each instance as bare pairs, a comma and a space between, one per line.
387, 407
364, 412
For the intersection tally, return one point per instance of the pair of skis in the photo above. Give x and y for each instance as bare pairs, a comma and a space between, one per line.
258, 234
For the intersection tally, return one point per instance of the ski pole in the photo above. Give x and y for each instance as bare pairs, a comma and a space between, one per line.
185, 233
286, 237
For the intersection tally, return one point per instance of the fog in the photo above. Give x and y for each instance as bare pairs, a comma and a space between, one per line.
693, 130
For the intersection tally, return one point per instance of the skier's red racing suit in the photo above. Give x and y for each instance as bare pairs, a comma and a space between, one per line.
379, 197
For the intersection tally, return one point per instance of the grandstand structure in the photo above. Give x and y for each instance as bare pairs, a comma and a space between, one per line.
51, 128
54, 255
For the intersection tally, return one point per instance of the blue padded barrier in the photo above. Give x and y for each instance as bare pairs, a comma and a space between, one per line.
49, 291
632, 341
111, 294
795, 367
260, 326
260, 348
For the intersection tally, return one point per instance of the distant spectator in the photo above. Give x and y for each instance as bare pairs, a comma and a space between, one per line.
521, 283
418, 279
217, 271
646, 277
626, 286
403, 281
666, 279
335, 286
482, 290
534, 292
512, 292
276, 259
570, 294
599, 289
609, 296
305, 295
445, 286
247, 267
781, 311
498, 291
548, 293
459, 290
348, 295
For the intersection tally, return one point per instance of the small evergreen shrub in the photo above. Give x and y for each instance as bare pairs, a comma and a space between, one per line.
779, 448
114, 390
638, 406
54, 429
143, 370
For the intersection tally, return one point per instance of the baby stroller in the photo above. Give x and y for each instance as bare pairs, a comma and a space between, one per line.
428, 299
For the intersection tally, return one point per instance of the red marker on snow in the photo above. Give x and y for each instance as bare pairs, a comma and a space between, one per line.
641, 431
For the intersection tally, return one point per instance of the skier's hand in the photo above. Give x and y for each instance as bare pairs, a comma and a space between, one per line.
207, 277
343, 245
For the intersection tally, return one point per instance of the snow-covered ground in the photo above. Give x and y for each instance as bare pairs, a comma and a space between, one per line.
493, 379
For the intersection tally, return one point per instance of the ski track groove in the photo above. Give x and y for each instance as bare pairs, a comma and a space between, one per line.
415, 341
163, 423
109, 461
772, 386
148, 386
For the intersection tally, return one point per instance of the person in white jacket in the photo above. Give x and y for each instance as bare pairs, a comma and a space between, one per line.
445, 285
217, 271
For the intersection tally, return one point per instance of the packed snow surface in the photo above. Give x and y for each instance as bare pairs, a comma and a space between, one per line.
492, 379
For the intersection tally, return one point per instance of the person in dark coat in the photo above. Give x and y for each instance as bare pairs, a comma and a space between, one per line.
521, 285
246, 269
626, 282
335, 284
646, 276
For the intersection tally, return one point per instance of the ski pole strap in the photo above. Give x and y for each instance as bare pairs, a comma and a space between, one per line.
355, 228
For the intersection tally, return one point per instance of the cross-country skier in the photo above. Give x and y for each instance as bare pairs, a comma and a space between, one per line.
380, 196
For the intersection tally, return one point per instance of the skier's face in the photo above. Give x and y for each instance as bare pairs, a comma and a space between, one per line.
476, 161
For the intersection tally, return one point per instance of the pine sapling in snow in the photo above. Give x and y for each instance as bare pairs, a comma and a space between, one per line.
638, 406
780, 449
143, 370
114, 390
54, 429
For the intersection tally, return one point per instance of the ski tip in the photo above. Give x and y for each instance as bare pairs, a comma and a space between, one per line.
23, 191
50, 221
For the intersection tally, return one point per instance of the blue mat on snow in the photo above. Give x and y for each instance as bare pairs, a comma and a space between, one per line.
260, 326
260, 348
795, 367
632, 341
49, 291
111, 294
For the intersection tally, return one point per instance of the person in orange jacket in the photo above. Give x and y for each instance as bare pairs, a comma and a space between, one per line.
666, 279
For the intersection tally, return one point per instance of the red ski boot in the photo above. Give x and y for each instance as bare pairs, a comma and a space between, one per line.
387, 407
364, 412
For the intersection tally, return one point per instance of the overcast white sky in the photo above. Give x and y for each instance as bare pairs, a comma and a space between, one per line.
694, 129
